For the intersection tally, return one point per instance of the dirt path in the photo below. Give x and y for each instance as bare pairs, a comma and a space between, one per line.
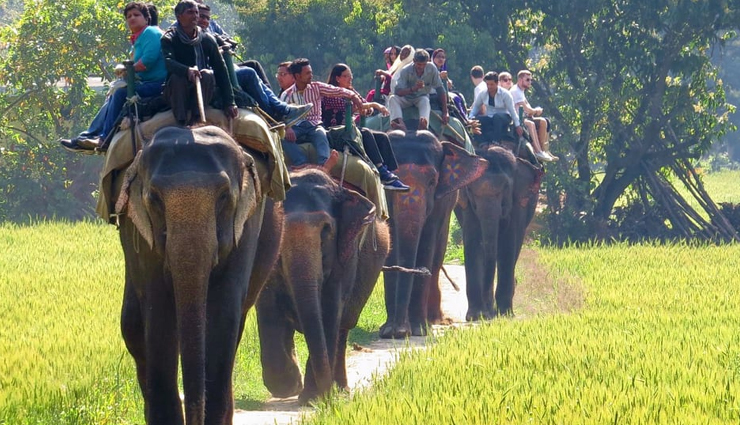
537, 296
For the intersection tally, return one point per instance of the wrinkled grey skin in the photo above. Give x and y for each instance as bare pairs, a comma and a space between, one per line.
494, 212
193, 214
333, 250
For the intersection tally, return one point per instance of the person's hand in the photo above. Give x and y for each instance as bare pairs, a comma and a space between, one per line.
139, 66
419, 85
193, 73
357, 102
384, 111
443, 75
538, 111
519, 131
290, 134
445, 117
231, 111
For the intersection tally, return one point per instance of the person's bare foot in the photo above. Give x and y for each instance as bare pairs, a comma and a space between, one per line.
398, 124
423, 124
332, 161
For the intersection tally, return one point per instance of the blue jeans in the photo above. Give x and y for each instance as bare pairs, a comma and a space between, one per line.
96, 126
266, 99
305, 132
118, 99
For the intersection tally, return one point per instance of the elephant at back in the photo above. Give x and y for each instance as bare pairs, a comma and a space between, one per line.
419, 221
333, 249
494, 212
194, 215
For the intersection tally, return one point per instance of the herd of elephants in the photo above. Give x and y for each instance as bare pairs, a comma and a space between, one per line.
203, 245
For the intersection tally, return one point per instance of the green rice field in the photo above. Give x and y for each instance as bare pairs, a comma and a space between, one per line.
655, 341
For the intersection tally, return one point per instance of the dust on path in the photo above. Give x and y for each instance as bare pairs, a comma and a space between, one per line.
375, 358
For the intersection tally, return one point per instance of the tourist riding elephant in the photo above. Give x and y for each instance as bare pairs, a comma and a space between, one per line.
419, 222
193, 215
334, 247
494, 212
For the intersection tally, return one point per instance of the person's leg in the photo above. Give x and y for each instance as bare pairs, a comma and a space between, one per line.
371, 148
179, 93
321, 143
500, 126
395, 107
533, 135
487, 131
96, 126
424, 110
118, 98
386, 150
207, 87
250, 82
541, 124
149, 88
257, 66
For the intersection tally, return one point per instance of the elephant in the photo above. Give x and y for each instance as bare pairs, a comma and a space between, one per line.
419, 222
193, 216
494, 212
334, 247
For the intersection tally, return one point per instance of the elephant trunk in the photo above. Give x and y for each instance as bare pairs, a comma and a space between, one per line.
303, 269
191, 253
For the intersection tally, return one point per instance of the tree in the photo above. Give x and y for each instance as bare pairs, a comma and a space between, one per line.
632, 92
48, 55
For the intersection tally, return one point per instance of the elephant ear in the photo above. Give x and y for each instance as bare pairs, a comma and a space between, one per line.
130, 201
356, 213
459, 168
249, 192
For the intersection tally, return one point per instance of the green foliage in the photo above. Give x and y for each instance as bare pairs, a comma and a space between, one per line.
655, 343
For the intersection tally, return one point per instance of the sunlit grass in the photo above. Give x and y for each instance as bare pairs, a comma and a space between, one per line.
62, 357
656, 342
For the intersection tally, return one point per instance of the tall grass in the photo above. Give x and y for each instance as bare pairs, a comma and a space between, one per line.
656, 342
62, 357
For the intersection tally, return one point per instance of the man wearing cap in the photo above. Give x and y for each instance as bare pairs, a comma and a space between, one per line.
415, 81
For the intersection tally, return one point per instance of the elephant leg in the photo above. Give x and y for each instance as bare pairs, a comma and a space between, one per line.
223, 332
398, 285
132, 328
162, 394
280, 372
474, 267
510, 240
434, 298
340, 364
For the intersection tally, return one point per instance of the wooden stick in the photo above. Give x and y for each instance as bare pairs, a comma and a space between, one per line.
199, 95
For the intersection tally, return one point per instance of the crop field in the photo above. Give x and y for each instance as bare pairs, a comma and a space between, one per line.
62, 357
656, 341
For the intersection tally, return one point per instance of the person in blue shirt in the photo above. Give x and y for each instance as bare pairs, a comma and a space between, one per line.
150, 71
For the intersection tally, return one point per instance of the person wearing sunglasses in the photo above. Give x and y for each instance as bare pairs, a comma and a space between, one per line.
542, 124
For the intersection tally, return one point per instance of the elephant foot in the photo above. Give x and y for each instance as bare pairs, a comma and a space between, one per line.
436, 317
306, 397
475, 315
419, 329
391, 331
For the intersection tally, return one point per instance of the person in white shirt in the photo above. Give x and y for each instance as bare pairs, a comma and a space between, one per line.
499, 111
476, 77
524, 81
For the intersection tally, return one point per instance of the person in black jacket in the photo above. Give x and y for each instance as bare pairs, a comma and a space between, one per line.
190, 54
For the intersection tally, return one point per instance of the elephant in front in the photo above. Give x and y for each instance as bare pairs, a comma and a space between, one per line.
494, 212
333, 250
193, 217
419, 222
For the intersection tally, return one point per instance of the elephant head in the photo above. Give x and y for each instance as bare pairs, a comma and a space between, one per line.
494, 212
420, 221
324, 278
189, 194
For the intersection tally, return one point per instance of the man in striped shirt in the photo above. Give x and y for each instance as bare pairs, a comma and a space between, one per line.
310, 130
